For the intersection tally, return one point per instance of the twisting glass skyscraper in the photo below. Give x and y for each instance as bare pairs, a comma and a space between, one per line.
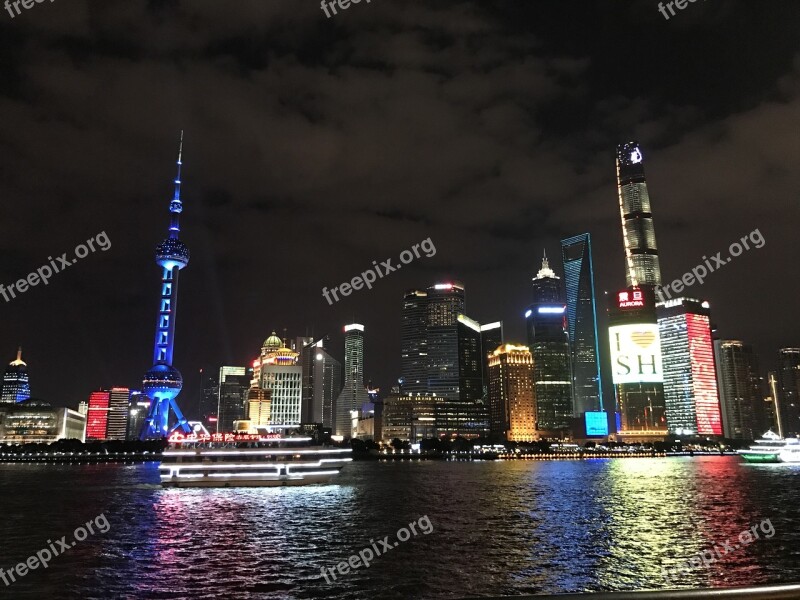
163, 382
576, 254
639, 236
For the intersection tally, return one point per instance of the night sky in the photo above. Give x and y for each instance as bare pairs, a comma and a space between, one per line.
314, 146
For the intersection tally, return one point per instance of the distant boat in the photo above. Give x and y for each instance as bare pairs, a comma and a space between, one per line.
772, 448
243, 460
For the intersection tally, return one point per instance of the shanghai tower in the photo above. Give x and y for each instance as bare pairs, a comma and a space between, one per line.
163, 382
638, 234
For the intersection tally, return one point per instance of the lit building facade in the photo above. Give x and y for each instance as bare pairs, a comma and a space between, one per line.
512, 400
118, 410
322, 383
788, 375
740, 390
642, 267
277, 370
548, 342
414, 342
636, 364
233, 385
411, 417
37, 422
97, 417
576, 255
354, 393
445, 302
16, 386
473, 418
138, 407
690, 382
259, 405
491, 339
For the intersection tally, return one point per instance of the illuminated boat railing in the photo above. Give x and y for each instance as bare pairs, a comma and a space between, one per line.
789, 591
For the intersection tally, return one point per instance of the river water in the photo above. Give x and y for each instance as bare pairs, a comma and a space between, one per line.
495, 528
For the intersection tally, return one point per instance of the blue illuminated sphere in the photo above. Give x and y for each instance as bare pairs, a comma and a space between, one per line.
172, 253
162, 381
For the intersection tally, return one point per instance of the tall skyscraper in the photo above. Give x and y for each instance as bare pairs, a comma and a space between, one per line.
16, 386
325, 384
636, 364
163, 382
118, 410
789, 390
576, 254
740, 389
445, 302
491, 340
354, 394
209, 402
690, 382
138, 408
414, 342
548, 342
97, 417
638, 233
512, 400
233, 385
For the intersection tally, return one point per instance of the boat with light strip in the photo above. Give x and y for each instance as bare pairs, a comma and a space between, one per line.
248, 460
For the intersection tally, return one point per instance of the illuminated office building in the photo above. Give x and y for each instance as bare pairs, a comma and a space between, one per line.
548, 342
322, 382
469, 413
414, 342
354, 393
138, 407
690, 383
636, 364
512, 403
233, 385
642, 267
259, 407
491, 340
788, 375
278, 370
16, 386
97, 417
739, 389
118, 409
576, 254
445, 301
37, 422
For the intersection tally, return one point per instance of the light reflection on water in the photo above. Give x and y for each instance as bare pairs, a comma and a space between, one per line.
498, 528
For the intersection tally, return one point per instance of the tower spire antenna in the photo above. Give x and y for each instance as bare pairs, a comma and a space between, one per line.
176, 206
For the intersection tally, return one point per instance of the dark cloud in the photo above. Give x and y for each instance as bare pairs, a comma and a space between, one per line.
315, 146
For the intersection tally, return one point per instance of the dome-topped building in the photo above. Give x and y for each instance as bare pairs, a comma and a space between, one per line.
272, 344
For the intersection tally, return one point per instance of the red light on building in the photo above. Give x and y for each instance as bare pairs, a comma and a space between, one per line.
704, 380
630, 299
97, 416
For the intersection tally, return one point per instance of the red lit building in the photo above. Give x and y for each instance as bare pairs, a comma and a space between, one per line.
97, 416
690, 383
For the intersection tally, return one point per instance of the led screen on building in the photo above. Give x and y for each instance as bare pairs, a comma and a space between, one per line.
596, 423
704, 380
635, 353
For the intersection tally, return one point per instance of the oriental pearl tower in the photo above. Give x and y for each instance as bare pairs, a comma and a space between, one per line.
163, 382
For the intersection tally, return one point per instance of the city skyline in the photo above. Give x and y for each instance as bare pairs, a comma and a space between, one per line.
533, 164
